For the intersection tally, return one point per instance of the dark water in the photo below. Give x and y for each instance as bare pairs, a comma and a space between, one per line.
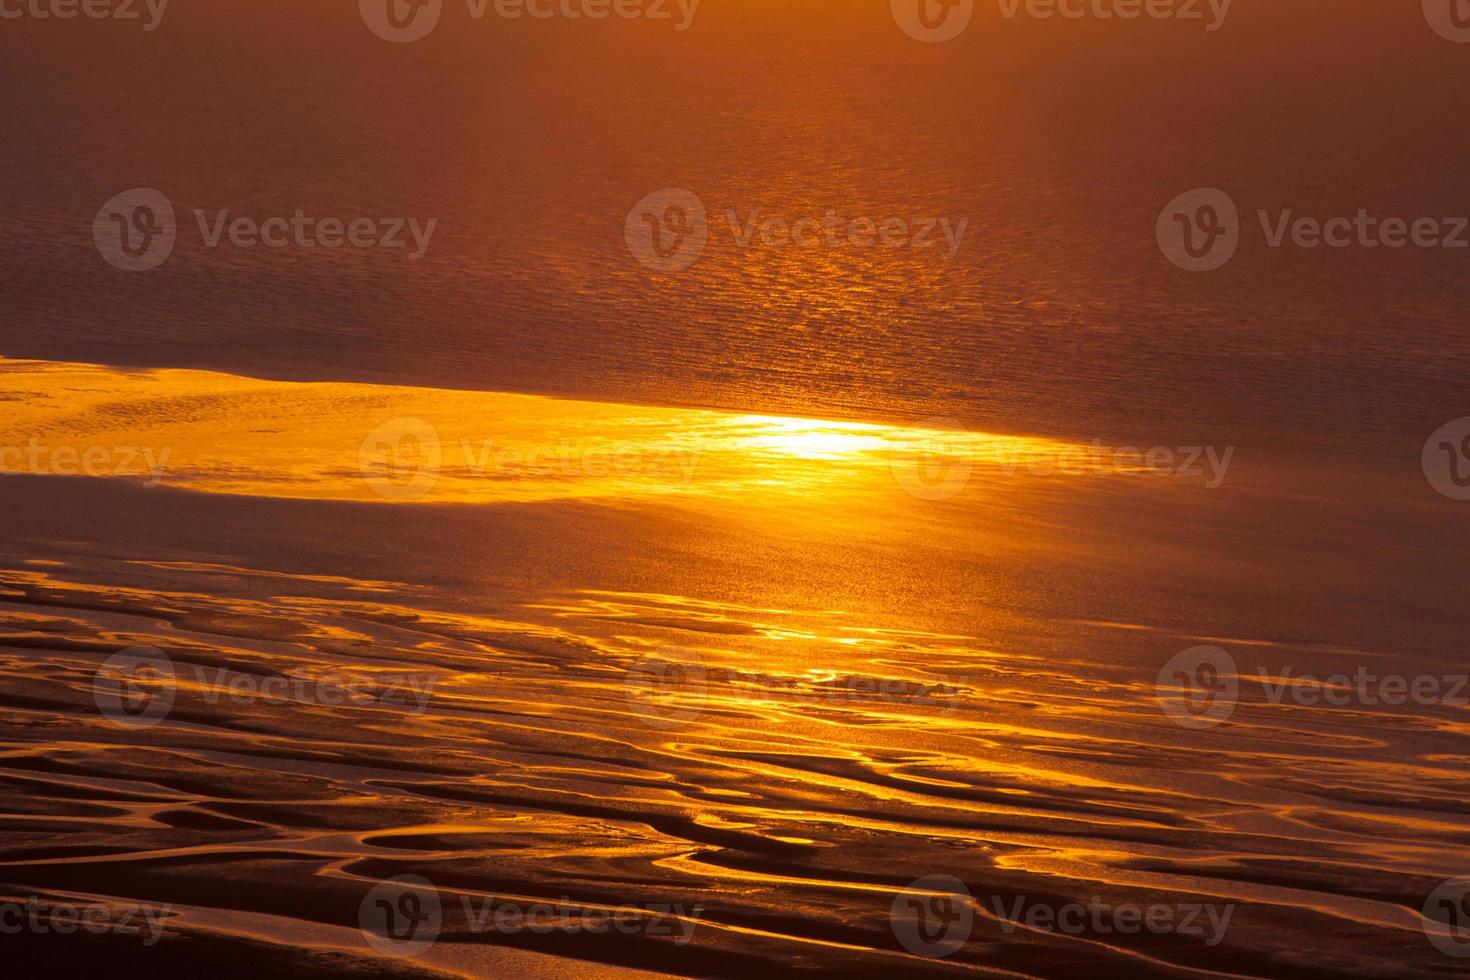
530, 141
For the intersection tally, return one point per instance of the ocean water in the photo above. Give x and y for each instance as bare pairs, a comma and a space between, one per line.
528, 142
852, 609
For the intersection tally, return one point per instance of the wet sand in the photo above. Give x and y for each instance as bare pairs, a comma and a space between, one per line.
739, 699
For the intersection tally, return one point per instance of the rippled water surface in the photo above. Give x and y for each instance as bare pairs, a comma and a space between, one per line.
528, 142
780, 701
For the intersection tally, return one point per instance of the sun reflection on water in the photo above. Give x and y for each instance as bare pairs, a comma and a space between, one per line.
225, 434
810, 439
